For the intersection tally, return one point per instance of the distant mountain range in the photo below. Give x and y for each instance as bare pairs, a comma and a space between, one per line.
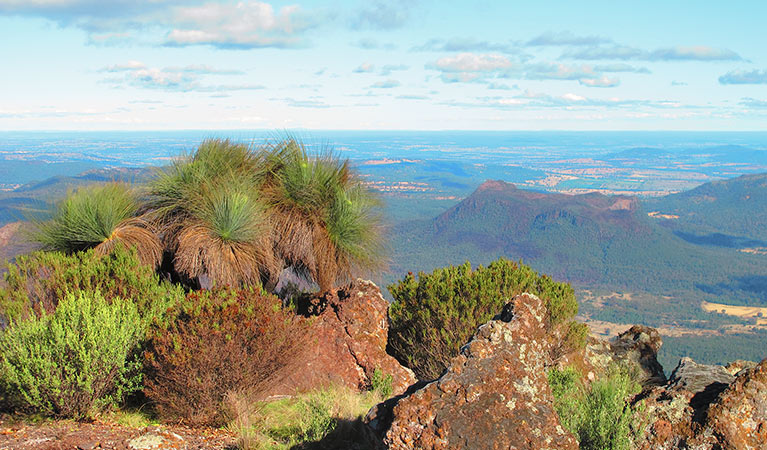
604, 241
728, 213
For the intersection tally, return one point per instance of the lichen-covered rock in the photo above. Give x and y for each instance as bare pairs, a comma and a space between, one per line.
494, 394
705, 408
734, 367
739, 417
345, 344
704, 382
637, 347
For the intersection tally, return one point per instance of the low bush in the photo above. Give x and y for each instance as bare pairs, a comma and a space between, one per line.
434, 315
36, 282
598, 415
212, 343
74, 362
381, 384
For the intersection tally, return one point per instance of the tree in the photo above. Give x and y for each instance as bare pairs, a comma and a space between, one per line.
324, 219
100, 217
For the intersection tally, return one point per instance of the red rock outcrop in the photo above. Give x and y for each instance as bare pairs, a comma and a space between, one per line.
494, 394
345, 344
739, 417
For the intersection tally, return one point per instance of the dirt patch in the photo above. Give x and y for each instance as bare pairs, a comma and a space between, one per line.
69, 435
757, 312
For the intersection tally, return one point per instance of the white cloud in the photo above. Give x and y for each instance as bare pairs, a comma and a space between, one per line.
471, 62
365, 68
383, 15
566, 38
678, 53
604, 82
242, 25
387, 69
184, 79
386, 84
744, 77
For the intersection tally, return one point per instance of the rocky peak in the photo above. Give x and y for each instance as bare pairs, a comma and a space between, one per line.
494, 394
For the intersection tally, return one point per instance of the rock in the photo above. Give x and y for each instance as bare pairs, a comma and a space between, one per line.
705, 382
155, 440
739, 417
736, 366
494, 394
638, 347
346, 343
705, 408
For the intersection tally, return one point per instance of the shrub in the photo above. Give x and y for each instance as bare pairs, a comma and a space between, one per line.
74, 362
598, 415
381, 384
212, 343
434, 315
100, 217
36, 282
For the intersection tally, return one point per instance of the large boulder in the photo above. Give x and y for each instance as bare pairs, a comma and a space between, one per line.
494, 394
636, 348
345, 344
739, 417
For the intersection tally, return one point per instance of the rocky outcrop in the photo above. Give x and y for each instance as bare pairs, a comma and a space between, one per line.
739, 417
636, 348
705, 408
494, 394
345, 344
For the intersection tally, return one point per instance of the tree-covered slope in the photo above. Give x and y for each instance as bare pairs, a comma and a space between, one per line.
728, 213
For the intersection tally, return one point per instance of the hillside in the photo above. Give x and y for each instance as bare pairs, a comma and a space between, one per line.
34, 198
589, 239
729, 213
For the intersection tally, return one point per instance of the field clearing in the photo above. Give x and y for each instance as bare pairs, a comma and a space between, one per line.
738, 311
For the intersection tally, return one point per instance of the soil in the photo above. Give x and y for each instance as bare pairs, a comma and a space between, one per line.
70, 435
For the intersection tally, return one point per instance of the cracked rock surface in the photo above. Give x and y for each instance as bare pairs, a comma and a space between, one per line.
493, 395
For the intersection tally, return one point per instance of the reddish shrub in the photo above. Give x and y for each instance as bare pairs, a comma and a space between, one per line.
213, 343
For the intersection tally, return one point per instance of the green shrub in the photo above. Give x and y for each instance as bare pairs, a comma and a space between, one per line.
381, 384
36, 282
434, 315
213, 343
598, 415
74, 362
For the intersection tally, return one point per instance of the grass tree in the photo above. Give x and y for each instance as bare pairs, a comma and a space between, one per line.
208, 208
323, 217
100, 217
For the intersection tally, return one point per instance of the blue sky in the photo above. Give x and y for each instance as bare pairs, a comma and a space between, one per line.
422, 65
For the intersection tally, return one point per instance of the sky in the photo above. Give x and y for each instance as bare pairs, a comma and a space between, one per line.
383, 65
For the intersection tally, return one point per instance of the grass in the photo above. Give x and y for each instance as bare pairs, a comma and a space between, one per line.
597, 414
330, 415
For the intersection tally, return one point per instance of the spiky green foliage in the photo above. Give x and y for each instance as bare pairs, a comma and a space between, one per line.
170, 191
74, 362
225, 235
434, 315
100, 217
209, 210
599, 414
324, 218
